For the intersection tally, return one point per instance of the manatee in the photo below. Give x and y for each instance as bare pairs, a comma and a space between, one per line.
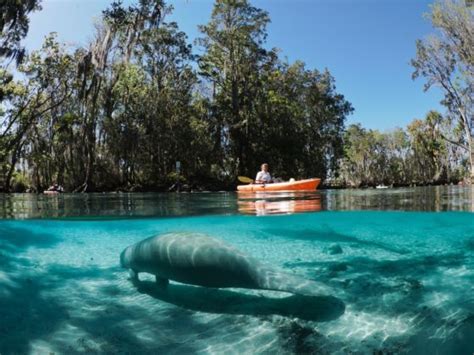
197, 259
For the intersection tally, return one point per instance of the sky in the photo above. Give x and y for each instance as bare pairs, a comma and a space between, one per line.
366, 45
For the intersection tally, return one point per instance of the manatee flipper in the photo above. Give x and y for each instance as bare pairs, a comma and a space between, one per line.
133, 276
161, 282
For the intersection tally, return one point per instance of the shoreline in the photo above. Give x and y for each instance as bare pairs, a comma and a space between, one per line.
227, 189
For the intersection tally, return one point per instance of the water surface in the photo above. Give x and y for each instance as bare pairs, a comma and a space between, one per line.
118, 205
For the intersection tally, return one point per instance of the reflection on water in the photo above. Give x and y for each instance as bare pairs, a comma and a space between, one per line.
425, 198
266, 203
433, 198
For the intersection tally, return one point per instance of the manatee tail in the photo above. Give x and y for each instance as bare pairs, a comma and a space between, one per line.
280, 281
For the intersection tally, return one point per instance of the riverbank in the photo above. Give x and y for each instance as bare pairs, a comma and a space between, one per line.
230, 187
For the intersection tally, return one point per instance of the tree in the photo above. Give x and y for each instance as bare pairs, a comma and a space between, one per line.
300, 120
429, 148
100, 66
264, 109
119, 112
421, 154
232, 60
446, 60
44, 91
14, 25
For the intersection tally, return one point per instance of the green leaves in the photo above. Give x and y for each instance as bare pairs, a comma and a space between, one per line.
421, 154
446, 60
14, 25
119, 113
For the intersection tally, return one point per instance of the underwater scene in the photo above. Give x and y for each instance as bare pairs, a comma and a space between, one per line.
393, 281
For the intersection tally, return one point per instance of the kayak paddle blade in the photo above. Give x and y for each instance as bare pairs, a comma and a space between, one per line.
245, 180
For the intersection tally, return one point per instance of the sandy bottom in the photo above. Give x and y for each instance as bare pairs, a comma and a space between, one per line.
403, 283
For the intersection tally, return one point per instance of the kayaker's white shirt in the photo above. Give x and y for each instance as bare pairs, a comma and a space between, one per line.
263, 176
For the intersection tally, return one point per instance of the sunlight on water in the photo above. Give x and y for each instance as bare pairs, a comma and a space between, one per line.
406, 281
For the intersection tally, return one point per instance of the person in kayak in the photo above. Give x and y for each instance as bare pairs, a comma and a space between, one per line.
55, 188
263, 176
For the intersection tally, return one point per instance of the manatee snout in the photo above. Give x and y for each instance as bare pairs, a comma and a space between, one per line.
125, 259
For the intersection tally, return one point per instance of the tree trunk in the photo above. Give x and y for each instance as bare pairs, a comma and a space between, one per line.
14, 160
471, 159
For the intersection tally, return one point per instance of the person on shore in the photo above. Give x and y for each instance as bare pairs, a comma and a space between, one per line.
263, 176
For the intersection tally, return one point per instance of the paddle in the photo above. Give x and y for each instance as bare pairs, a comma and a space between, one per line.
245, 180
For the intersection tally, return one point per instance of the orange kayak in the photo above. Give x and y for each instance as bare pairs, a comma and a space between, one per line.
49, 192
299, 185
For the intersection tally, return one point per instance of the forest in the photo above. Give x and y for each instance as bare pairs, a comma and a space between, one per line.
117, 114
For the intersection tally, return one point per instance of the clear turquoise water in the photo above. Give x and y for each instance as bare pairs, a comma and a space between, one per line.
405, 280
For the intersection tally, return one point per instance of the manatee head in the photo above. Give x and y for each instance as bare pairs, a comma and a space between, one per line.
125, 258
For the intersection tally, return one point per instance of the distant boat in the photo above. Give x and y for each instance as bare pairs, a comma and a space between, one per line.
381, 187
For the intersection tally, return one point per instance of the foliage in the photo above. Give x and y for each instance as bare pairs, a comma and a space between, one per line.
263, 109
446, 60
415, 156
14, 26
119, 112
